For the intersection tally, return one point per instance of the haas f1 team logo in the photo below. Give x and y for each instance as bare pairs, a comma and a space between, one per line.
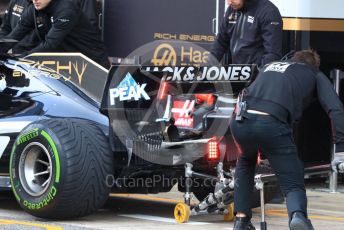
182, 113
128, 90
164, 54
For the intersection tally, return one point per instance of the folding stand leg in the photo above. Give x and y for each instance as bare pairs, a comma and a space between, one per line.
188, 183
187, 197
263, 225
260, 182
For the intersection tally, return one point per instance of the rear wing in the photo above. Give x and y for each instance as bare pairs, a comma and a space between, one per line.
130, 86
131, 97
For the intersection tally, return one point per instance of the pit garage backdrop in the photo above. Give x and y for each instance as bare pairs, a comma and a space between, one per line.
130, 24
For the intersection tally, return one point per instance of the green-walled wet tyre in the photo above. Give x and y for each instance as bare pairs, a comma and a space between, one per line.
59, 168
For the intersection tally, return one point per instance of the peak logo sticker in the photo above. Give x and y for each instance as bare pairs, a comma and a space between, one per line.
128, 90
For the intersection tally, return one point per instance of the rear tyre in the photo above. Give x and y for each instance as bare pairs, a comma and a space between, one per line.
59, 168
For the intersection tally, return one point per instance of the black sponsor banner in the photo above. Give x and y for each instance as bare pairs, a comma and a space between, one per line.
131, 86
232, 73
131, 24
77, 68
171, 53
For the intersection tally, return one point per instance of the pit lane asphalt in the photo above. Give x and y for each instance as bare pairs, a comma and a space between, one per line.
124, 212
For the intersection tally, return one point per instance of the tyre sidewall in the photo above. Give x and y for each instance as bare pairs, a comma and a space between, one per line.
40, 134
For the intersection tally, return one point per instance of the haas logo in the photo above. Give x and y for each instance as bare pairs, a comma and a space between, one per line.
164, 55
182, 113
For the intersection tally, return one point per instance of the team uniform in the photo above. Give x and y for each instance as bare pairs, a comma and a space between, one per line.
252, 35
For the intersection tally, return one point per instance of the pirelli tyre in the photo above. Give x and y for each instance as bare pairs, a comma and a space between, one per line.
58, 168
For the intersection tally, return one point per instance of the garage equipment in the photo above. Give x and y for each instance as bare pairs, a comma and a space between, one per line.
336, 75
260, 180
218, 202
221, 201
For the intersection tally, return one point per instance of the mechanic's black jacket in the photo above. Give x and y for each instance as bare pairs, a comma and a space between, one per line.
11, 18
62, 27
89, 7
252, 35
285, 89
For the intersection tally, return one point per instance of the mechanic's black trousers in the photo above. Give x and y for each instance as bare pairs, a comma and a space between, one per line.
274, 139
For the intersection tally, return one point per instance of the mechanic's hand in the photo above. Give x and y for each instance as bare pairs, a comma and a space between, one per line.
338, 160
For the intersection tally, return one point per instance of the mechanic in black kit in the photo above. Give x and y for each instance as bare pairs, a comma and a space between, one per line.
270, 105
251, 32
61, 27
11, 18
16, 8
89, 7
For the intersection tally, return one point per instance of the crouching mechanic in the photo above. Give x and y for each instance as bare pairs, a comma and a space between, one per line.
276, 99
61, 27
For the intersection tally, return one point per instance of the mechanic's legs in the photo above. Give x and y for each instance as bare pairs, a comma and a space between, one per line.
276, 141
244, 183
243, 187
245, 168
244, 173
289, 171
296, 201
283, 158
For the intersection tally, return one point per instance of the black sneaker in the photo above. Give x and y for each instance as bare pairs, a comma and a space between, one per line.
243, 223
300, 222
